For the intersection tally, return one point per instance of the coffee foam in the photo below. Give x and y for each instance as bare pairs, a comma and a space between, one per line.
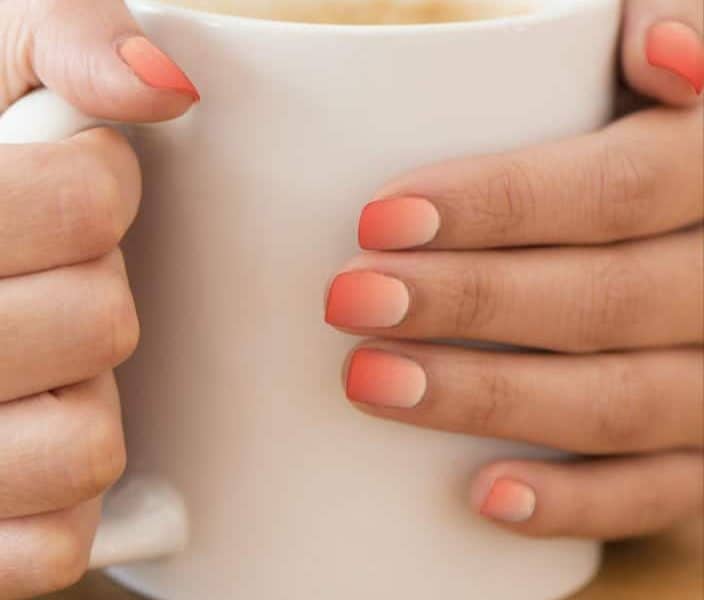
360, 12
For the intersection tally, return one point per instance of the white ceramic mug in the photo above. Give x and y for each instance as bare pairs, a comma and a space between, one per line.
250, 205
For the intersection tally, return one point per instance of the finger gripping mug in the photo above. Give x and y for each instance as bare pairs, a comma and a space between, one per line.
233, 399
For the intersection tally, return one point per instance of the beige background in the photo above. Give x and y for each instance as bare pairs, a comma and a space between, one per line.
667, 567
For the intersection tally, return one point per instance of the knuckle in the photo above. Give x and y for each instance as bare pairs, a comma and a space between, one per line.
65, 560
87, 203
101, 458
487, 411
610, 306
476, 301
116, 331
624, 192
621, 409
504, 202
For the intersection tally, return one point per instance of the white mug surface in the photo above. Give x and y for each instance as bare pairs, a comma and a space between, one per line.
250, 205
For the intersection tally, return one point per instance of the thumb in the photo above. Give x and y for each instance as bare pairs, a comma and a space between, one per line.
663, 50
94, 55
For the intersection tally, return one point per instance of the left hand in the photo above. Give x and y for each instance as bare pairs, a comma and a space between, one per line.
590, 248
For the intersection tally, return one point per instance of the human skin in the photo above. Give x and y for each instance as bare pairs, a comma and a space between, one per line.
68, 317
589, 254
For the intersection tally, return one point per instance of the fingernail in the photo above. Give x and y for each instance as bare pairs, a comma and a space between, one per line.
366, 300
398, 224
508, 501
381, 378
679, 49
154, 68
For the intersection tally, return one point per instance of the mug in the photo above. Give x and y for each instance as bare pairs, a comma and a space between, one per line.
248, 471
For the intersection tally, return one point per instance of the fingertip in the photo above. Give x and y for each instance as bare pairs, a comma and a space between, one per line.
511, 494
398, 223
96, 56
154, 68
663, 60
679, 49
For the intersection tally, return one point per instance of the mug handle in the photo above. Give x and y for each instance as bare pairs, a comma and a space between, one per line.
144, 517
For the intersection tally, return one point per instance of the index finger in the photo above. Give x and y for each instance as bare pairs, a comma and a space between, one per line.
79, 199
638, 177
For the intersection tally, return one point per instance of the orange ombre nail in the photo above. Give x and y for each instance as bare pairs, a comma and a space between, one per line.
379, 378
679, 49
366, 300
155, 68
509, 501
398, 224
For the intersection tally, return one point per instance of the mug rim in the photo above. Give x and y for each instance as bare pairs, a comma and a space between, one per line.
541, 12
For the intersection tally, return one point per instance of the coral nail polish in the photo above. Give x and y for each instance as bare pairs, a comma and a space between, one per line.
154, 68
398, 224
509, 501
381, 378
679, 49
366, 300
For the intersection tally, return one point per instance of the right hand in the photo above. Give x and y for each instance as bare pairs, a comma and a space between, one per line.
67, 317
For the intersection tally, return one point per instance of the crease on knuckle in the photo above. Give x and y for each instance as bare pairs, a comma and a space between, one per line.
486, 410
624, 192
611, 305
476, 302
500, 205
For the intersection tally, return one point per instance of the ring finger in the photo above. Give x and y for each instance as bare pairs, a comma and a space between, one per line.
634, 295
614, 403
60, 448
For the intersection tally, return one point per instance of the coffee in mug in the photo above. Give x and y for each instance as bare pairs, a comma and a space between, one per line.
361, 12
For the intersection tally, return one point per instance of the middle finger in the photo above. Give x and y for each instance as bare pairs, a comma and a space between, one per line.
636, 295
597, 404
64, 326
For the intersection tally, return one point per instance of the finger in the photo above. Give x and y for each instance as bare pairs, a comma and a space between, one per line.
602, 404
60, 448
45, 553
83, 195
663, 50
64, 326
604, 499
638, 177
93, 54
637, 295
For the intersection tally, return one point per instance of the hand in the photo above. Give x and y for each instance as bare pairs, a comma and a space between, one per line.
67, 313
591, 248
